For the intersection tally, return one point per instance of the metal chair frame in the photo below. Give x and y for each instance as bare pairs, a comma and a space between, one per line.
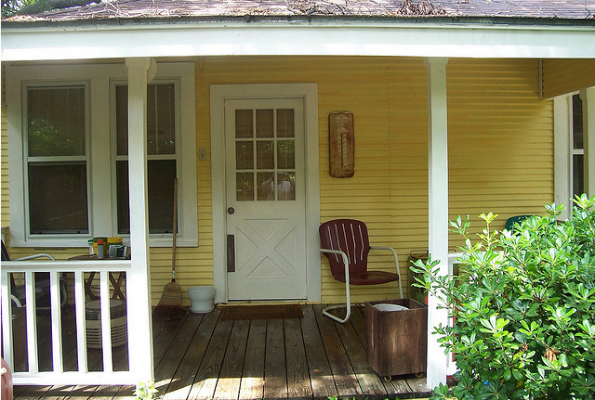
361, 264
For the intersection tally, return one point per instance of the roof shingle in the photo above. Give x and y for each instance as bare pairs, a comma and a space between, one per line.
164, 9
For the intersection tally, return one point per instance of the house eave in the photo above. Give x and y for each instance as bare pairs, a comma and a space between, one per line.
298, 35
438, 21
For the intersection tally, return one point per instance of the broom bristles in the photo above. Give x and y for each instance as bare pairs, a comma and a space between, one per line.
170, 305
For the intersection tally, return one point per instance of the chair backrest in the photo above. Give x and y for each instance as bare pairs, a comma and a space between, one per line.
512, 221
349, 236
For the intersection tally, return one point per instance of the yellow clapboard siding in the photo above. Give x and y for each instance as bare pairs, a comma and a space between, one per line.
500, 146
566, 76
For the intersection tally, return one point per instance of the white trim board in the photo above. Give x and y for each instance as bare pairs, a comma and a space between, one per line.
340, 39
309, 93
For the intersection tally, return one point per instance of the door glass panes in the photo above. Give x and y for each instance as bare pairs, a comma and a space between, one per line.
266, 185
244, 155
244, 186
285, 185
244, 124
285, 124
286, 154
263, 147
265, 157
264, 123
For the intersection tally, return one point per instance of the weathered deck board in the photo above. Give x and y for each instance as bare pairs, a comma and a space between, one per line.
298, 376
252, 386
203, 357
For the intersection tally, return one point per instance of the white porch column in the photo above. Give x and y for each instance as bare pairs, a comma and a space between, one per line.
438, 206
139, 289
588, 98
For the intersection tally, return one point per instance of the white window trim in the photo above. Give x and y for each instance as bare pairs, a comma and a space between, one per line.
563, 153
98, 77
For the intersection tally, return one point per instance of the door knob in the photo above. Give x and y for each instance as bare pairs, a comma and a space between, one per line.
230, 210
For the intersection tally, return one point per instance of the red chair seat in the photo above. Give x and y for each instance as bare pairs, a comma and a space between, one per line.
368, 278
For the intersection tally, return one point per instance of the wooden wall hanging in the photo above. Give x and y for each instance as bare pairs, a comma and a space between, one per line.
341, 144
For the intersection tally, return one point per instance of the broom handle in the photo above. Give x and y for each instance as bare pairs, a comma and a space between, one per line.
175, 231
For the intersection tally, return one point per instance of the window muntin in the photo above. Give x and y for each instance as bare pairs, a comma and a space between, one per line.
56, 157
161, 156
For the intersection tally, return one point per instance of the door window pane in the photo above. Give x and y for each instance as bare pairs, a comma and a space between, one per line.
264, 124
56, 121
244, 155
58, 198
245, 186
286, 154
161, 174
265, 154
286, 185
244, 124
285, 123
266, 186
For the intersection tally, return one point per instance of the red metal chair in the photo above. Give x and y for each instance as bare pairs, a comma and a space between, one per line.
345, 244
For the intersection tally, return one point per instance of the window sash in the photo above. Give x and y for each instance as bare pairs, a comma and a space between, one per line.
56, 205
159, 198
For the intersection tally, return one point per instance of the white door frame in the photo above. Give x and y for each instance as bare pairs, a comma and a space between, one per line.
309, 93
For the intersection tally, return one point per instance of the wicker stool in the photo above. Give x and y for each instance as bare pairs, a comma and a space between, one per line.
118, 323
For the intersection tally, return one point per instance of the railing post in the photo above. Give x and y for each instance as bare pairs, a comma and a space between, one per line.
438, 207
139, 291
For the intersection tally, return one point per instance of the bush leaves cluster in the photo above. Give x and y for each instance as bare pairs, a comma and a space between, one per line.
523, 306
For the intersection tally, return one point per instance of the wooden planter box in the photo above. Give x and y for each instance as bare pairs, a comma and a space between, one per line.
397, 340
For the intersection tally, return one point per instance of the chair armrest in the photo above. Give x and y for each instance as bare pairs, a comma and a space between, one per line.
34, 256
396, 257
345, 260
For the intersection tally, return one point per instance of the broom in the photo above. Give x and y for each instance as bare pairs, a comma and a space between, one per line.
170, 305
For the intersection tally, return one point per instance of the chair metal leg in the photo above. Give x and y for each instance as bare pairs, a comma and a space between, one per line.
338, 319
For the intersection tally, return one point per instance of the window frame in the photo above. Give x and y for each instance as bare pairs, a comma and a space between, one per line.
101, 185
29, 160
565, 152
150, 157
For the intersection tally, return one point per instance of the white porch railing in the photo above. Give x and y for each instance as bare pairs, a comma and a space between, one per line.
58, 375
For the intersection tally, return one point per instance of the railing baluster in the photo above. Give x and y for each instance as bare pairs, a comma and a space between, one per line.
31, 307
7, 320
28, 316
106, 322
81, 325
56, 322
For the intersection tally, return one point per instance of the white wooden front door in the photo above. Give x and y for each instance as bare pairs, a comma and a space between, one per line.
265, 183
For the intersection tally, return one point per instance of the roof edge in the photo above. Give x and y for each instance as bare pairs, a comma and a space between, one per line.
293, 20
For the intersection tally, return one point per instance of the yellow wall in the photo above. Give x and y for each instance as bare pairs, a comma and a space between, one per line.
500, 146
566, 76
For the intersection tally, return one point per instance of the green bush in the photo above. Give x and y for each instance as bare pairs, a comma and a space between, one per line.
524, 306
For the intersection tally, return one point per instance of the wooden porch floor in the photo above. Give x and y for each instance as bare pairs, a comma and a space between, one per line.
204, 357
